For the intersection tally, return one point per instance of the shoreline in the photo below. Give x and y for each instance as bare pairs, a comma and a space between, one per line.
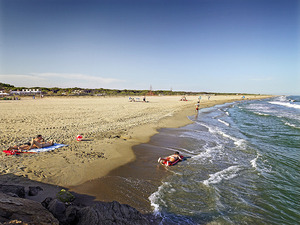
104, 148
135, 181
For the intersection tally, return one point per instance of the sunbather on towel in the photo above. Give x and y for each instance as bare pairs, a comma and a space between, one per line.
39, 141
23, 147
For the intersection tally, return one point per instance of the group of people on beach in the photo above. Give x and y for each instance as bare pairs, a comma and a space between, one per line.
38, 142
137, 99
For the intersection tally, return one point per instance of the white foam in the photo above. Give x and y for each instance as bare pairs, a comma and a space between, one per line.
286, 104
253, 162
261, 114
221, 121
206, 154
208, 127
227, 113
237, 142
225, 174
209, 152
155, 198
291, 125
282, 98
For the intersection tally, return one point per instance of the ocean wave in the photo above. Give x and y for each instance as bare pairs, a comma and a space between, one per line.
291, 125
205, 154
225, 174
237, 142
221, 121
261, 114
282, 98
286, 104
156, 199
254, 161
259, 109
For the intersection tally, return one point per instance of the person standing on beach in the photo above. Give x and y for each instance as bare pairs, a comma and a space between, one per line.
197, 106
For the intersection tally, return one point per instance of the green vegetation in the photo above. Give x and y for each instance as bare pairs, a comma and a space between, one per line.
65, 196
55, 91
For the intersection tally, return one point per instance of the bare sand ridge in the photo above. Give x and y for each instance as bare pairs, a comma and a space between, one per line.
110, 126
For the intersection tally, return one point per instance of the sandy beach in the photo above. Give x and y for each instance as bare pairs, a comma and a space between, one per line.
110, 126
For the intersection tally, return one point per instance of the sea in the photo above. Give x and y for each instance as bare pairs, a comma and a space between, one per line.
242, 166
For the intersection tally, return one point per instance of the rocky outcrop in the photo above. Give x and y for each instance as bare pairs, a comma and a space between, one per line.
100, 213
33, 191
25, 210
13, 190
15, 210
110, 213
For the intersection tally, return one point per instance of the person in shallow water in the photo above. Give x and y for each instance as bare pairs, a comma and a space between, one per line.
171, 158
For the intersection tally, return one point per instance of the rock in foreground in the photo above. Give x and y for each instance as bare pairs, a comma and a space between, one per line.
25, 210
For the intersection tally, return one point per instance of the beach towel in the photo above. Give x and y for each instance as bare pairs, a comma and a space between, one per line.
34, 150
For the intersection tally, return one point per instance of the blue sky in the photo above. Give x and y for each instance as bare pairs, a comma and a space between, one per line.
204, 45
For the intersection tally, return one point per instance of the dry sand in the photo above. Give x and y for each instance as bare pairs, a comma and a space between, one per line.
110, 126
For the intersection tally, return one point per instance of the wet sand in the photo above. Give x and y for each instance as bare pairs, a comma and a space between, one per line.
134, 182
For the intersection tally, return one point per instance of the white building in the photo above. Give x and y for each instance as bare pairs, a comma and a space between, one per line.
2, 94
27, 92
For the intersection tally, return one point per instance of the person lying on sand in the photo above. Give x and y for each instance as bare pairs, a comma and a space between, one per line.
171, 158
23, 147
39, 141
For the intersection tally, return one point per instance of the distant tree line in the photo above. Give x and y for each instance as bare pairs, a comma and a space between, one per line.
55, 91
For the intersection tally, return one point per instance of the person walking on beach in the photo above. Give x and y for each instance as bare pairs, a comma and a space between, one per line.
197, 106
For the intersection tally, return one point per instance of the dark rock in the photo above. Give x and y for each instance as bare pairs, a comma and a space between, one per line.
71, 214
110, 213
13, 189
24, 210
54, 211
46, 202
12, 194
57, 208
33, 191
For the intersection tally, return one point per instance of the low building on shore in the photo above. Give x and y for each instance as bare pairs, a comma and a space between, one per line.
3, 93
26, 92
